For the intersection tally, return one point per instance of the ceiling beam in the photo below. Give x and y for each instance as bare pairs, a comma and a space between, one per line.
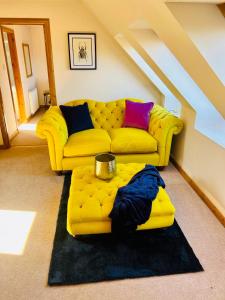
142, 52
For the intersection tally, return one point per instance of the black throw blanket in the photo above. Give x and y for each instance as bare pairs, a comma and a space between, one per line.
133, 202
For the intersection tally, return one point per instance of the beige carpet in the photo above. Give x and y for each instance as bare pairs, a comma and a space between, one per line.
27, 184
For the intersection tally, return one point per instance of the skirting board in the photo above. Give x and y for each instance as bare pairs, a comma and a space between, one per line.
3, 147
200, 193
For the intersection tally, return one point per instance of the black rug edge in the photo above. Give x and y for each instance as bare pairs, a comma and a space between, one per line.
65, 192
67, 180
122, 278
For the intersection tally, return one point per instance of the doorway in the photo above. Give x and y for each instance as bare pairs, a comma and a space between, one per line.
14, 77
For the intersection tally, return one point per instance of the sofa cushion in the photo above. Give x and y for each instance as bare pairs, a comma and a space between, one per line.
132, 140
77, 118
137, 115
87, 142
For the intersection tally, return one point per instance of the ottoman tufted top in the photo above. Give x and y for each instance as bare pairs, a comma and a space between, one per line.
91, 199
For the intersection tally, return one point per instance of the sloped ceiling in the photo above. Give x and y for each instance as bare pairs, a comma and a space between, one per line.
117, 16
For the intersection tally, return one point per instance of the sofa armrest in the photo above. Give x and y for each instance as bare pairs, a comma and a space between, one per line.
163, 125
52, 126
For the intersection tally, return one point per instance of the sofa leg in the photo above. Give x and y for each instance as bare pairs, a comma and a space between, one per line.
59, 173
160, 168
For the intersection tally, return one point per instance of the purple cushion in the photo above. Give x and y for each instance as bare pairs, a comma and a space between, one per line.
137, 114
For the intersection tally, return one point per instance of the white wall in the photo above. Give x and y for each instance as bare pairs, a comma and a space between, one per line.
115, 76
202, 159
205, 25
38, 58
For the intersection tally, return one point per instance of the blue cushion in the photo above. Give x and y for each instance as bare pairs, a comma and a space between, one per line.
77, 118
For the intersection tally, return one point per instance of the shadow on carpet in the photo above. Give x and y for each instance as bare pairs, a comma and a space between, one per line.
93, 258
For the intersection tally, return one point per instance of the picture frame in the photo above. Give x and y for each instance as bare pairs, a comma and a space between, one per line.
27, 60
82, 51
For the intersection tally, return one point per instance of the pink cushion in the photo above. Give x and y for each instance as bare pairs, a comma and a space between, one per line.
137, 114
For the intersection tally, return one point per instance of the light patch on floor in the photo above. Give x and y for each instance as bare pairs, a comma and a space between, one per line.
27, 126
15, 227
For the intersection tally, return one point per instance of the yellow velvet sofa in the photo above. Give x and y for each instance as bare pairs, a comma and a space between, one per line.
128, 144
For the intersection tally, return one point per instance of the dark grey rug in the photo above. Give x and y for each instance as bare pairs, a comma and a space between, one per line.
93, 258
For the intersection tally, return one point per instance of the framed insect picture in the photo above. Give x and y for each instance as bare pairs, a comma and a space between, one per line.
82, 51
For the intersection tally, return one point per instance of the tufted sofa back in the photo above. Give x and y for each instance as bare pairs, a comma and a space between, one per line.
106, 115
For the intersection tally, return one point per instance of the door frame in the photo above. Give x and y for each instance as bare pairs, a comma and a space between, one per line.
5, 137
45, 22
16, 73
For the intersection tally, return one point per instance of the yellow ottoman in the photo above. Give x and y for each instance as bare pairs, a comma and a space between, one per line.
91, 200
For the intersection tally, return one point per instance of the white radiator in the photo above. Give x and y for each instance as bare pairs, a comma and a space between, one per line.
34, 103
